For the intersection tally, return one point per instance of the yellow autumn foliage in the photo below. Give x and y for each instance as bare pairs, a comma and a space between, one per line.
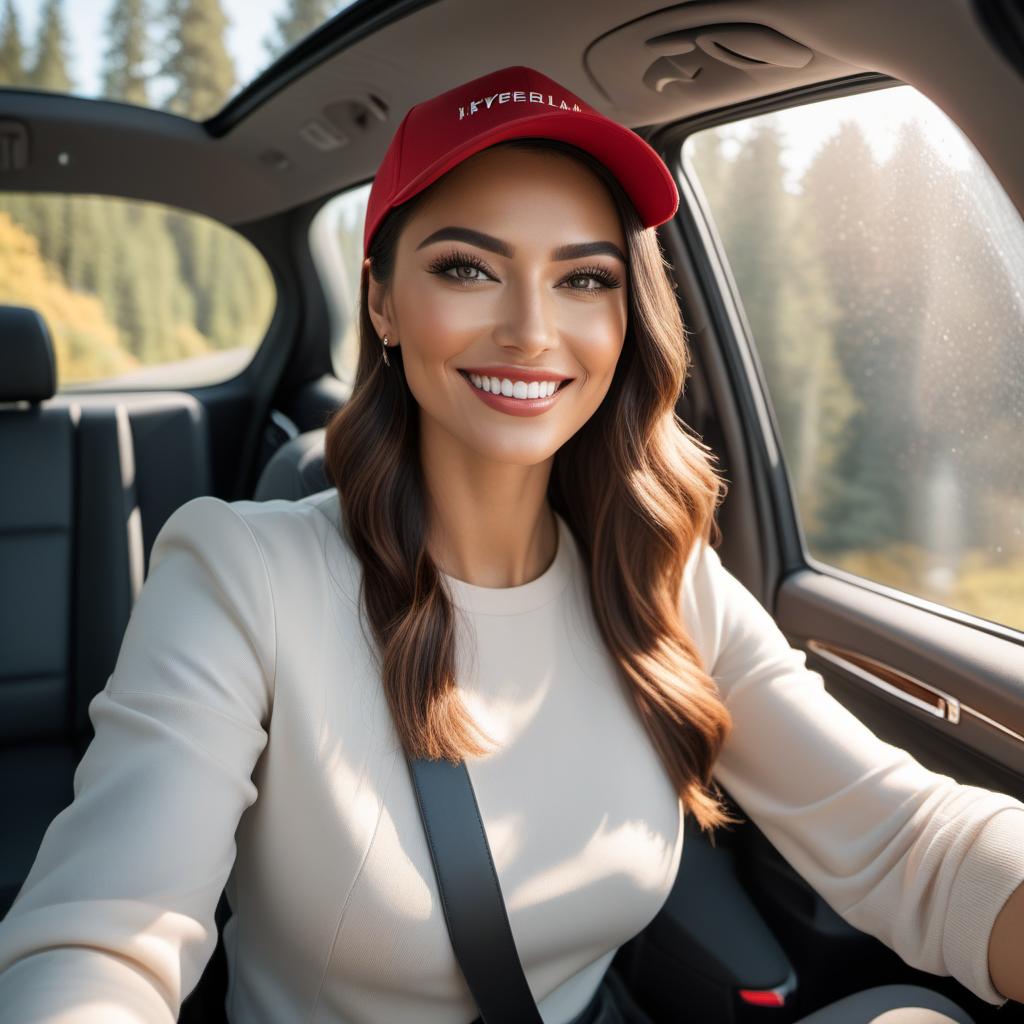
86, 343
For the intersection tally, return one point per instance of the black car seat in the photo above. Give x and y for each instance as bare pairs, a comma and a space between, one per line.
88, 480
295, 470
37, 543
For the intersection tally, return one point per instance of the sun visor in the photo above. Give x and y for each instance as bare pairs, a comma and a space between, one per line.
660, 67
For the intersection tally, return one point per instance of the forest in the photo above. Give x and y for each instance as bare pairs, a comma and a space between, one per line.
123, 284
884, 299
885, 303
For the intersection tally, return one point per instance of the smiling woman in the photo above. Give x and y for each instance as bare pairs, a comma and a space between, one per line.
494, 466
526, 265
544, 605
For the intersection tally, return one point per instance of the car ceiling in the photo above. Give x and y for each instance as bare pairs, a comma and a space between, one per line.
321, 118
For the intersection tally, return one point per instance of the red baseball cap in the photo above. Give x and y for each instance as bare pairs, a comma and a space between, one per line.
515, 102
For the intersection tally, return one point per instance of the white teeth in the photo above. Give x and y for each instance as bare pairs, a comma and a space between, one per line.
514, 389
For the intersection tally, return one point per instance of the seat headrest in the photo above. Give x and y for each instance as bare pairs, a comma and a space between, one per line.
295, 470
28, 372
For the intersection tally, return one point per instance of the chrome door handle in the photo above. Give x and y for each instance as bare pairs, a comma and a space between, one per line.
920, 695
909, 689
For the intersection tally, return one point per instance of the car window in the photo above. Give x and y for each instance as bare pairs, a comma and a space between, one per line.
336, 240
879, 266
189, 59
134, 293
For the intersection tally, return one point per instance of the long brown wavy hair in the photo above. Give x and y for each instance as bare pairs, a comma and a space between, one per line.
637, 490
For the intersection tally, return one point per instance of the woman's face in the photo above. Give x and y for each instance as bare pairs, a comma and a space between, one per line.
514, 263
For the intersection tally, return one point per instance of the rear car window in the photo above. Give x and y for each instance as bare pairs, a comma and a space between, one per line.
879, 266
336, 240
134, 293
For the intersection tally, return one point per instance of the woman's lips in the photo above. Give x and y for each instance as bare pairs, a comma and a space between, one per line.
515, 406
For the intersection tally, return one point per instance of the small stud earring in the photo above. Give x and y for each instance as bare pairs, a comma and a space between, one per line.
384, 351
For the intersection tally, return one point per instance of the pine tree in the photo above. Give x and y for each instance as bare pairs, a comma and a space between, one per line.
124, 74
961, 393
753, 230
50, 71
300, 19
12, 50
47, 224
197, 61
788, 304
203, 77
712, 167
85, 241
157, 266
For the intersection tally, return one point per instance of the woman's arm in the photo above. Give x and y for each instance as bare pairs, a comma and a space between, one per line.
115, 922
905, 854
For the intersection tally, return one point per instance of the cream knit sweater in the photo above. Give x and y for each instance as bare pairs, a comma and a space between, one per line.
243, 739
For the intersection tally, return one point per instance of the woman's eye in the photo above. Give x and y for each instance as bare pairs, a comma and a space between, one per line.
461, 268
466, 272
591, 281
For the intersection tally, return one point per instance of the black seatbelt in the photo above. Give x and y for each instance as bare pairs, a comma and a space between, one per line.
474, 908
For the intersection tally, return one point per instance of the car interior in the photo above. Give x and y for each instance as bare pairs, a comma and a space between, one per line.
93, 467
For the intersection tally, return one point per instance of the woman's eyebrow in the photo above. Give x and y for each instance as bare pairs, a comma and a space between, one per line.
496, 245
576, 252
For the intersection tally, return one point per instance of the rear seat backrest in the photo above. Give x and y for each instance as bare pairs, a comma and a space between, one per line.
86, 483
37, 548
37, 521
295, 470
141, 456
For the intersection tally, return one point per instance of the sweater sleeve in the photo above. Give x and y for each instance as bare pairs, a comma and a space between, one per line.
115, 922
903, 853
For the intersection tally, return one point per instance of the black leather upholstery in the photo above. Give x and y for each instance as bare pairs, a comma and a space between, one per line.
27, 368
86, 482
295, 470
37, 454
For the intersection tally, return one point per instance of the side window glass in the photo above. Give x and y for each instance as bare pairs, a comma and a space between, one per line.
134, 293
880, 268
336, 240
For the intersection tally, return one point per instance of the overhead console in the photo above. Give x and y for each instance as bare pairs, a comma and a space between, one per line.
650, 67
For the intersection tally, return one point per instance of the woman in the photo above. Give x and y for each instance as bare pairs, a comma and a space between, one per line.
523, 582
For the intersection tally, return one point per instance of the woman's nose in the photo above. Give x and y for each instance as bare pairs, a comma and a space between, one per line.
527, 320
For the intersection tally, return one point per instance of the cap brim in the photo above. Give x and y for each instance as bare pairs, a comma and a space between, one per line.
641, 172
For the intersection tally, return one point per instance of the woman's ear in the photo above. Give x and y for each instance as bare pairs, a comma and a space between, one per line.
376, 303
